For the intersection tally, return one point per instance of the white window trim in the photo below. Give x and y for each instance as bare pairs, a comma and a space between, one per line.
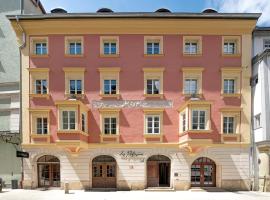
205, 119
61, 127
109, 39
41, 90
42, 125
153, 39
152, 125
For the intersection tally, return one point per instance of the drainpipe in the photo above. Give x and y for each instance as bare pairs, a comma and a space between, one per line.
20, 119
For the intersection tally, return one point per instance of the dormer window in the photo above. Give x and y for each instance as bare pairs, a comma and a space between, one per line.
266, 44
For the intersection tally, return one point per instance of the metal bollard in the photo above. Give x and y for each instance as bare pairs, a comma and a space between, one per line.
66, 187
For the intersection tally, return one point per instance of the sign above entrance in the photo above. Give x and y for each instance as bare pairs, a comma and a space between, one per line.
132, 155
22, 154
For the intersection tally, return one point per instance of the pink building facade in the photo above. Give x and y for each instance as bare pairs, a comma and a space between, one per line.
110, 105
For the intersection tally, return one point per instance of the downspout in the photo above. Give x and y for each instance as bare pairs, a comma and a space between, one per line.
22, 46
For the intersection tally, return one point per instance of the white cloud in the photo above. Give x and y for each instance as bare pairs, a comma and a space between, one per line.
244, 6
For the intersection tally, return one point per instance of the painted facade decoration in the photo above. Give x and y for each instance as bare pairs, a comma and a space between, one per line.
131, 102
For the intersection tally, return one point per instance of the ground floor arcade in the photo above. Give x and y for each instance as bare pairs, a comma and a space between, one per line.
138, 168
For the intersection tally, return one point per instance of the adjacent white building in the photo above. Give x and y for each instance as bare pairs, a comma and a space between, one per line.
260, 84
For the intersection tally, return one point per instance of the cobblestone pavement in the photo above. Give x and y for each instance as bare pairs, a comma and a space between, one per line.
129, 195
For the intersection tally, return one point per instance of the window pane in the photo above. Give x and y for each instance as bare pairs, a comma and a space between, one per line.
106, 86
113, 48
72, 86
113, 86
156, 86
79, 86
45, 126
156, 48
106, 48
44, 86
150, 87
38, 86
150, 48
39, 125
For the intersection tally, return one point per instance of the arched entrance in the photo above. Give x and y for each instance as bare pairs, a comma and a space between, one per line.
104, 172
48, 171
158, 171
203, 173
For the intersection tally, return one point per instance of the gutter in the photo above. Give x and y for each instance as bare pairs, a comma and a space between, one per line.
20, 119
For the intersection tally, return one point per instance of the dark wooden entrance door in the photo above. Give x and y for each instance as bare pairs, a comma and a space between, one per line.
48, 171
158, 171
104, 173
203, 173
164, 174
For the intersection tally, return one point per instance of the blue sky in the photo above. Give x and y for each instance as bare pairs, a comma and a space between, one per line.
262, 6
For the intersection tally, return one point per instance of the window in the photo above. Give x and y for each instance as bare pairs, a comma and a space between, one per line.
191, 86
75, 86
109, 46
257, 121
83, 122
266, 44
153, 124
153, 82
68, 120
192, 80
75, 48
229, 86
153, 86
198, 119
192, 45
153, 45
228, 125
109, 81
229, 48
74, 45
74, 81
41, 48
110, 125
231, 45
41, 87
231, 77
183, 121
110, 86
152, 48
42, 125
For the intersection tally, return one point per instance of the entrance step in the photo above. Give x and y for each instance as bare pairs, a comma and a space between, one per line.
101, 190
206, 189
159, 189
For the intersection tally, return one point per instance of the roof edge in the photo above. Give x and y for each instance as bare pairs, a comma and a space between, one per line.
260, 56
243, 16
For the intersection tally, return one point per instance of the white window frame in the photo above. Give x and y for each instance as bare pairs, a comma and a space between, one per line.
257, 118
110, 125
189, 88
76, 86
41, 48
110, 86
189, 49
41, 90
228, 90
153, 124
198, 123
227, 123
153, 47
153, 81
266, 44
76, 44
62, 120
42, 125
110, 47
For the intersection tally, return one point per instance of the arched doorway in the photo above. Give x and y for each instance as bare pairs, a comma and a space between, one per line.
104, 172
203, 173
48, 171
158, 171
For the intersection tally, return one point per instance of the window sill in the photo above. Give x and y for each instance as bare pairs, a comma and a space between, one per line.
74, 55
231, 55
190, 95
39, 56
47, 96
109, 138
238, 95
153, 137
153, 55
110, 96
109, 55
77, 96
41, 137
72, 132
154, 96
192, 54
230, 137
198, 131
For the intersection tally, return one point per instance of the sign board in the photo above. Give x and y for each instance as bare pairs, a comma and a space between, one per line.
22, 154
